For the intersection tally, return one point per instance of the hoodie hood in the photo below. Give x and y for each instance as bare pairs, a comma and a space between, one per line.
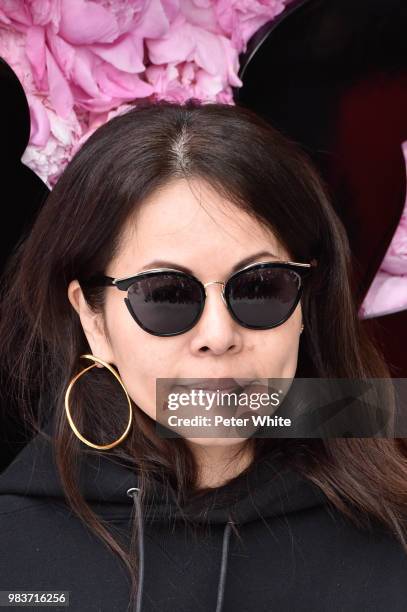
269, 489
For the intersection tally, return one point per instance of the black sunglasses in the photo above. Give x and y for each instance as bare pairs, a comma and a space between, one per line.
168, 302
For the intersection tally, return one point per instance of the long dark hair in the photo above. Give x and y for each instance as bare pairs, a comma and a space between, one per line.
78, 231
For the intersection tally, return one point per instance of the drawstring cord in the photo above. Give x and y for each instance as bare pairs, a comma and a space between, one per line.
133, 492
222, 575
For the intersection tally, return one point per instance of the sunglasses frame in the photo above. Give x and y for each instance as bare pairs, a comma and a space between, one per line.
123, 284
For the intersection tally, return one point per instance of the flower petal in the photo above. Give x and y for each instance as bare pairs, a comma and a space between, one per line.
40, 126
59, 90
124, 54
84, 23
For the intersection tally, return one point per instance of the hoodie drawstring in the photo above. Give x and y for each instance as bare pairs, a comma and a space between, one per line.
133, 492
222, 574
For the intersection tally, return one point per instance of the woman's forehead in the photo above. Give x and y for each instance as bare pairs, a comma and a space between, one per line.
178, 220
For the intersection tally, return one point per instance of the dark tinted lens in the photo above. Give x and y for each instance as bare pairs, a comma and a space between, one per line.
264, 297
165, 303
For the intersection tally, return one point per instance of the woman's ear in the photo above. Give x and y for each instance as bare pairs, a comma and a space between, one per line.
91, 324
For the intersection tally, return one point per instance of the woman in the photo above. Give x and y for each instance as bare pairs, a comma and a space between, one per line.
100, 497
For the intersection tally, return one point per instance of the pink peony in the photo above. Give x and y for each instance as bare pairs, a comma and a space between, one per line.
81, 60
395, 261
387, 294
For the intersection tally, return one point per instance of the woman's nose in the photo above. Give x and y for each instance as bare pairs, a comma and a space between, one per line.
216, 330
216, 318
216, 283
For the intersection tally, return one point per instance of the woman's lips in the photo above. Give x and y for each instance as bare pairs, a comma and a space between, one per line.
215, 384
235, 389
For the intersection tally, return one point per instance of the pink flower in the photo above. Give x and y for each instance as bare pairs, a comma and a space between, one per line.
212, 54
49, 159
80, 61
81, 54
240, 19
387, 294
395, 261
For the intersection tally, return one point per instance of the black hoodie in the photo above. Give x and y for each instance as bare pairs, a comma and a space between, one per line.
280, 546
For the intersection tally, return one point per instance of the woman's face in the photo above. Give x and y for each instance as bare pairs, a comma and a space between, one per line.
174, 228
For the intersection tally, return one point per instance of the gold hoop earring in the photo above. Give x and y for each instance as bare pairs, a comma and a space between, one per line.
68, 414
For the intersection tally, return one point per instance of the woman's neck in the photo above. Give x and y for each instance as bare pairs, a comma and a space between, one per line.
219, 464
